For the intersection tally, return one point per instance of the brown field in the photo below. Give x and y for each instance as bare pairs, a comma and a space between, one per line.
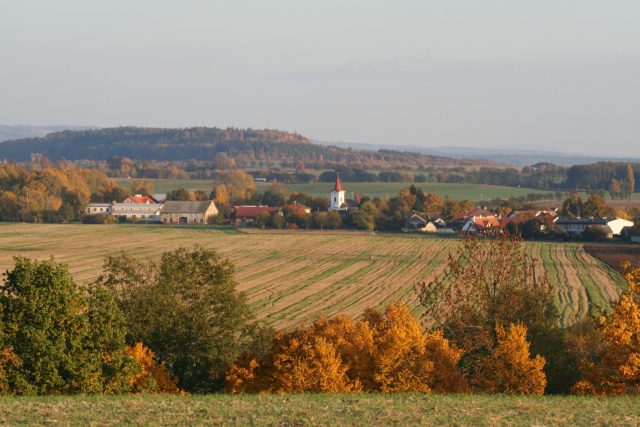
615, 255
293, 277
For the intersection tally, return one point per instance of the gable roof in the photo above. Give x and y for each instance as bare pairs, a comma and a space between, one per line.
252, 211
173, 207
140, 199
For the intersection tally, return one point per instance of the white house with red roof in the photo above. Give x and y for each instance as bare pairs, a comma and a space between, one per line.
337, 195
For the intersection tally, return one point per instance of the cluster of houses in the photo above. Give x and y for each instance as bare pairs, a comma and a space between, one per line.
154, 209
482, 221
139, 208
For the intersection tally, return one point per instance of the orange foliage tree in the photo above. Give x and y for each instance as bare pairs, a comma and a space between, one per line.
152, 377
7, 359
383, 352
492, 283
509, 367
615, 369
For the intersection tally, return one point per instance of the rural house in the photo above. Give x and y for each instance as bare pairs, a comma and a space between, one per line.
174, 212
136, 212
246, 215
98, 209
418, 223
575, 226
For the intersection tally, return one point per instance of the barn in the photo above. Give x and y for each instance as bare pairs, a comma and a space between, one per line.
174, 212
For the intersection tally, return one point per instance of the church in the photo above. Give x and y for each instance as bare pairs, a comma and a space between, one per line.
337, 198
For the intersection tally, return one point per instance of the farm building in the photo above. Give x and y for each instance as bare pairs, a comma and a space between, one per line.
246, 215
98, 209
418, 223
575, 226
143, 212
174, 212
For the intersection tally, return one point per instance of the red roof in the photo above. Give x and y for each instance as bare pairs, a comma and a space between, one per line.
338, 186
139, 199
478, 212
252, 211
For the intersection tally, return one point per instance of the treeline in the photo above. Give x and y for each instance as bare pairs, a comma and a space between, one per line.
616, 178
180, 324
241, 145
41, 192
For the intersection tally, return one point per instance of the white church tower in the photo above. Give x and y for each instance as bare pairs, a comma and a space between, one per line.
337, 195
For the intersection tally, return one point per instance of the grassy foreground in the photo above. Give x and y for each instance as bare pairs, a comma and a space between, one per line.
398, 409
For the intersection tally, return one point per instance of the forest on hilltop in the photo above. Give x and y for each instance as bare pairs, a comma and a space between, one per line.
243, 145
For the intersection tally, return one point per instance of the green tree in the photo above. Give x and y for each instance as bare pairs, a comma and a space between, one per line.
185, 308
276, 195
334, 220
66, 343
572, 206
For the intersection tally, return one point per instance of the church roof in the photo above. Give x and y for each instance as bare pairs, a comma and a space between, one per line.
338, 185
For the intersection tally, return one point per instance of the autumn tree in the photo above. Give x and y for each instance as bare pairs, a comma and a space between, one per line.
615, 368
509, 367
221, 196
185, 308
494, 282
142, 186
153, 376
240, 185
386, 352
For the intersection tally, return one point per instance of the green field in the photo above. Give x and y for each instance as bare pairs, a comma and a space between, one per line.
294, 277
474, 192
326, 410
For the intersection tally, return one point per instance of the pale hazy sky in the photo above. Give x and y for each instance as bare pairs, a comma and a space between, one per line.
548, 74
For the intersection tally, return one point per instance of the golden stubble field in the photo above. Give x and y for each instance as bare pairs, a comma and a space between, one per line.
294, 277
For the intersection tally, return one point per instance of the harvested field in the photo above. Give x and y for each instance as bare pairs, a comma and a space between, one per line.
294, 277
615, 255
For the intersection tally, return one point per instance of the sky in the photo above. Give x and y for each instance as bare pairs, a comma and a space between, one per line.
547, 74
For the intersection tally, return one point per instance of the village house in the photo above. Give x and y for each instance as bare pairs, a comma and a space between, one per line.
246, 215
481, 225
199, 212
577, 226
418, 223
136, 212
98, 209
298, 207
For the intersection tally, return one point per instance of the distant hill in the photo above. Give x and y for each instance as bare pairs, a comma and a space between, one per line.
511, 156
206, 143
8, 132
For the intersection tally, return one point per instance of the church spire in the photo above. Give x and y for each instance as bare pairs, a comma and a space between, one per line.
338, 185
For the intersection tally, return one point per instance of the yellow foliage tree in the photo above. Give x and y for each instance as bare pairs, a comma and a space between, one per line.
615, 370
509, 368
385, 352
153, 377
7, 358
